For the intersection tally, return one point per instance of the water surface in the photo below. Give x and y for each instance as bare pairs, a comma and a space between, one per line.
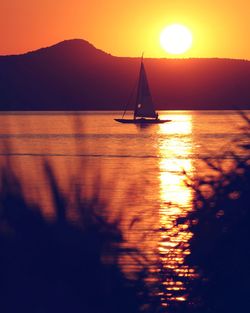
140, 171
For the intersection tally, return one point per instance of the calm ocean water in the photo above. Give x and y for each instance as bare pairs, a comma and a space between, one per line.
137, 170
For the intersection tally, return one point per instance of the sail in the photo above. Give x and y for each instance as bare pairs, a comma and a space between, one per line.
144, 104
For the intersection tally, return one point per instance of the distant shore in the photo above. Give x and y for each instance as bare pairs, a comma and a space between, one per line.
74, 75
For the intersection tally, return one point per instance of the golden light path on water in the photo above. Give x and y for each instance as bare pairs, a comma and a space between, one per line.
176, 198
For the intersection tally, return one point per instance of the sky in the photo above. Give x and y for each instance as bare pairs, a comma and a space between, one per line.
220, 28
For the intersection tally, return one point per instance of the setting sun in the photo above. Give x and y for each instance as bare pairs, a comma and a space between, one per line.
176, 39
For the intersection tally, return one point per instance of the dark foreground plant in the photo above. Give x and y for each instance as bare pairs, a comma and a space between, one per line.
220, 246
56, 265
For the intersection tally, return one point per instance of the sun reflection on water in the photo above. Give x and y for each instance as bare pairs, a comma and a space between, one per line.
175, 148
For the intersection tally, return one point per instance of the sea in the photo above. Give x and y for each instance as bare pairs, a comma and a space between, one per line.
141, 174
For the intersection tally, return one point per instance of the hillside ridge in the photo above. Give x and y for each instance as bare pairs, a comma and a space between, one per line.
75, 75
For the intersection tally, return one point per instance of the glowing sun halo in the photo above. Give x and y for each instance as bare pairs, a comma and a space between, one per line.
176, 39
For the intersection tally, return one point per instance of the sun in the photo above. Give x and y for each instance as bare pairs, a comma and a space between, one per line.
176, 39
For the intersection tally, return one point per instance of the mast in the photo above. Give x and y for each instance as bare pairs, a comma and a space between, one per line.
138, 87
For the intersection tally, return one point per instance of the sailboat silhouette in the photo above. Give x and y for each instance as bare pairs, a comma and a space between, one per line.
144, 110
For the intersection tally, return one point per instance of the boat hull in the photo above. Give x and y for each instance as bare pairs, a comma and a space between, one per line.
141, 121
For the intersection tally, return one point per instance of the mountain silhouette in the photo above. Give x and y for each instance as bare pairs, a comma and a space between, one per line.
74, 75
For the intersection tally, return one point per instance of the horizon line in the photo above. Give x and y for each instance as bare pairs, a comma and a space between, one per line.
115, 56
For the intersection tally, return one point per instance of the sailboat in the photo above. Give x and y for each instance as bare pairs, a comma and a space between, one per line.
144, 111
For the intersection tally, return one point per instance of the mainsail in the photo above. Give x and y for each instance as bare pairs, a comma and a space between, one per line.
144, 106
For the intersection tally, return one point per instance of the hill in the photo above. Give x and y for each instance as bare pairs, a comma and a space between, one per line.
74, 75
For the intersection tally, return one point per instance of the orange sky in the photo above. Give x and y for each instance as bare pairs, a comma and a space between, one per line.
220, 28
